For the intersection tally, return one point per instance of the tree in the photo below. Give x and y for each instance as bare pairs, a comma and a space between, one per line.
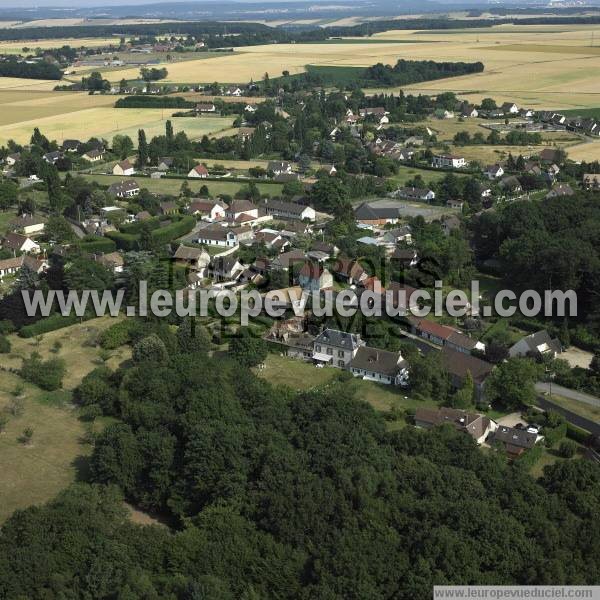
46, 374
86, 274
58, 229
27, 435
488, 104
142, 158
248, 349
567, 448
465, 397
122, 146
169, 134
150, 349
192, 337
9, 194
512, 383
4, 345
95, 83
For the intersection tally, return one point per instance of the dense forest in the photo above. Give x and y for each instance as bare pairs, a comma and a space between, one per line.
276, 494
11, 66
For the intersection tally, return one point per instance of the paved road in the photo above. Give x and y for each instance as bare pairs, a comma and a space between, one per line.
567, 393
576, 420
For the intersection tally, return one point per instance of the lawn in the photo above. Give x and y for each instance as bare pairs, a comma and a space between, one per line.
5, 218
406, 173
173, 186
34, 473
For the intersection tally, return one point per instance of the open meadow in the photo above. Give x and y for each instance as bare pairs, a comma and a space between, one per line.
34, 473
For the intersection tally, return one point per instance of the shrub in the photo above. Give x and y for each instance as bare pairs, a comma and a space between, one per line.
567, 448
94, 244
4, 345
51, 323
46, 374
116, 335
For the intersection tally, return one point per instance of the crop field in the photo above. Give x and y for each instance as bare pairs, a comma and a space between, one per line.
17, 47
105, 121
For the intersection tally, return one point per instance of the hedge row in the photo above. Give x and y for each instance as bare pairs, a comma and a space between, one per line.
51, 323
160, 235
94, 244
124, 241
576, 433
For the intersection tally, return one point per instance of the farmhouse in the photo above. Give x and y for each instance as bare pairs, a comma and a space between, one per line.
124, 189
195, 258
476, 425
20, 243
336, 348
509, 108
381, 366
71, 145
443, 161
198, 172
241, 208
12, 266
289, 210
314, 277
538, 345
12, 159
349, 270
494, 171
415, 194
123, 168
93, 155
516, 441
53, 157
222, 236
458, 364
165, 163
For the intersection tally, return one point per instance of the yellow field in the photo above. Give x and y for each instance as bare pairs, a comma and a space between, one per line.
17, 47
16, 83
585, 152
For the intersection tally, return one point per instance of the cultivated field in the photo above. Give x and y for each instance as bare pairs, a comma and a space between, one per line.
17, 47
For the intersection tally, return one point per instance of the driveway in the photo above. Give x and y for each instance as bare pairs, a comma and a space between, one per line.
559, 390
511, 420
576, 357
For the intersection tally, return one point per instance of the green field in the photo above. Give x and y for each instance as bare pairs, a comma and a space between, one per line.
173, 186
593, 113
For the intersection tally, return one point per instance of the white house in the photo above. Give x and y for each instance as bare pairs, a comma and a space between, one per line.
289, 210
381, 366
442, 161
209, 210
20, 243
494, 171
123, 168
198, 172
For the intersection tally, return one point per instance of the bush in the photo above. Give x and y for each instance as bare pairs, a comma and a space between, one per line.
124, 241
46, 374
567, 449
116, 335
4, 345
553, 436
576, 433
530, 457
94, 244
51, 323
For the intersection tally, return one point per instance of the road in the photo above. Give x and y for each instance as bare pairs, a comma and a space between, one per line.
567, 393
576, 420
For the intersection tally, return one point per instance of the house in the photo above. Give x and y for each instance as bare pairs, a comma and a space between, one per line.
314, 277
20, 243
279, 167
476, 425
494, 171
287, 260
511, 185
206, 107
550, 155
209, 210
369, 213
509, 108
249, 108
441, 113
415, 194
349, 270
113, 261
239, 208
432, 331
12, 266
458, 364
414, 140
329, 169
233, 91
538, 345
123, 168
443, 161
516, 441
195, 258
289, 210
336, 348
400, 299
53, 157
168, 208
463, 343
469, 111
124, 189
405, 258
94, 155
560, 191
381, 366
378, 112
401, 235
591, 181
329, 249
225, 268
143, 215
71, 146
450, 224
13, 159
245, 133
223, 236
28, 224
198, 172
165, 163
455, 203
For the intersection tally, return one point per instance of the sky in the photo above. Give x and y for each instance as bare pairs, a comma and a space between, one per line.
89, 3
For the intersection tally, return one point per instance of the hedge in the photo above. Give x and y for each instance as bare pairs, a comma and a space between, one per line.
96, 244
174, 230
51, 323
154, 102
530, 457
576, 433
124, 241
116, 335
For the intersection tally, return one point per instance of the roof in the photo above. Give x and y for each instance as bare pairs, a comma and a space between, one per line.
124, 164
167, 160
112, 259
367, 212
463, 341
378, 361
278, 165
287, 207
519, 438
349, 268
542, 342
339, 339
200, 169
214, 233
311, 270
413, 192
187, 253
143, 215
123, 186
14, 241
27, 220
241, 206
168, 206
459, 364
472, 423
435, 329
288, 258
564, 189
